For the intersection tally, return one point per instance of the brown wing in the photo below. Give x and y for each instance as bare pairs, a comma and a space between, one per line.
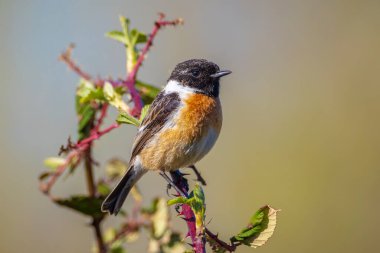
163, 106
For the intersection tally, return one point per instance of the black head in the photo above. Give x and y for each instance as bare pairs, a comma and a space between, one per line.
199, 74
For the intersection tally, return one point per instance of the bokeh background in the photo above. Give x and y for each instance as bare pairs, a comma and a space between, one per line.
301, 115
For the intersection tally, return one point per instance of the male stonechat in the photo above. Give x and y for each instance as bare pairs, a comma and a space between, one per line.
180, 128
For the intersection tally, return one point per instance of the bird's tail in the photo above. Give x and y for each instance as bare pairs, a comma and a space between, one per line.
116, 198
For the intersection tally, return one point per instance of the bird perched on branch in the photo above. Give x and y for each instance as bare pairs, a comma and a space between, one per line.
180, 128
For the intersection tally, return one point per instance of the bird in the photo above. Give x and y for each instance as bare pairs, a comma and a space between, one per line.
180, 128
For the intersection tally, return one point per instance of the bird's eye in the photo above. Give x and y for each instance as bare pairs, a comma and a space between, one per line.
195, 72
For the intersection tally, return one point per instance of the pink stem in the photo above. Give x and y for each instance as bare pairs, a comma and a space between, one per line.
226, 246
76, 153
97, 135
131, 79
103, 114
66, 58
198, 241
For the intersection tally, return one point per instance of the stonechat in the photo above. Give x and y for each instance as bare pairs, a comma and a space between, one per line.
180, 128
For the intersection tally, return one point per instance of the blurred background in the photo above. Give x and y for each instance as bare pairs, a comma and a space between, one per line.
301, 115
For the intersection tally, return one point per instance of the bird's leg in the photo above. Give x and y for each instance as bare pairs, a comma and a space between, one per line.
171, 183
198, 174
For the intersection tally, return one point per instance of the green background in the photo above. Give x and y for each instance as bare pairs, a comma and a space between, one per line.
301, 115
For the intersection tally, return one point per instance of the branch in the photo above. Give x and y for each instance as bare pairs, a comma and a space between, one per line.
66, 58
224, 245
75, 155
131, 78
97, 134
198, 174
198, 242
92, 192
72, 158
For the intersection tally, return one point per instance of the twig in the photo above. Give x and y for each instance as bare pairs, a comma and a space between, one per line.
92, 192
74, 155
99, 235
66, 58
97, 135
198, 174
226, 246
198, 242
131, 78
103, 114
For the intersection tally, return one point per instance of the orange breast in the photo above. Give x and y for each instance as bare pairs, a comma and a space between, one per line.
194, 132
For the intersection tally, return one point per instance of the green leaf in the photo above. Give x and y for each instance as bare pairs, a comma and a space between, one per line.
144, 111
125, 118
125, 25
84, 204
117, 247
114, 98
177, 200
138, 37
260, 228
199, 195
118, 36
86, 114
54, 162
84, 88
198, 206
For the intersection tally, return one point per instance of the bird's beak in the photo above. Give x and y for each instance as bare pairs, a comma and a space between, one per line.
221, 73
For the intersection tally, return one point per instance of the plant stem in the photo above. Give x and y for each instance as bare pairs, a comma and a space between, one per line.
66, 58
226, 246
198, 241
130, 82
89, 172
92, 192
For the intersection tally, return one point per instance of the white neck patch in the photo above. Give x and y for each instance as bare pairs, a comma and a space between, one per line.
174, 86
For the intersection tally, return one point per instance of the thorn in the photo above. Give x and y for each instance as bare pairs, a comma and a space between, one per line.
177, 207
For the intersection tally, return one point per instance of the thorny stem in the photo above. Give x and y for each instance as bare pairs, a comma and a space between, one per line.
198, 241
74, 155
131, 78
226, 246
198, 174
97, 134
66, 58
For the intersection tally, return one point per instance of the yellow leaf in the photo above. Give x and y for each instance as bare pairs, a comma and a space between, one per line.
160, 218
54, 162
